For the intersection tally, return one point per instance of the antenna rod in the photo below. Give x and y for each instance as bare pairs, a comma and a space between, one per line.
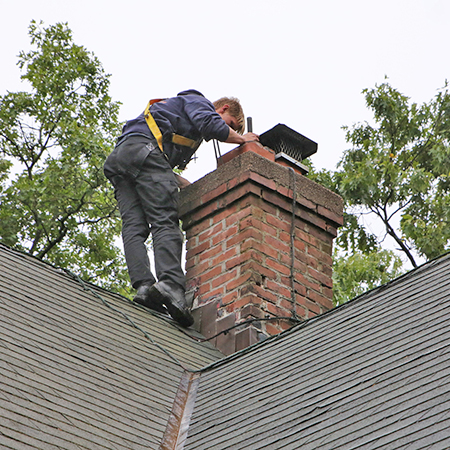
249, 125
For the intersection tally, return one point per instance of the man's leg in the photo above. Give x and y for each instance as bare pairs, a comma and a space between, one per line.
158, 191
135, 231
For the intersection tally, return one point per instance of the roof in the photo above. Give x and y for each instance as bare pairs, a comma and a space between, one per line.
372, 374
82, 368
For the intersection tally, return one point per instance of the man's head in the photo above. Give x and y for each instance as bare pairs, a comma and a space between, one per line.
230, 109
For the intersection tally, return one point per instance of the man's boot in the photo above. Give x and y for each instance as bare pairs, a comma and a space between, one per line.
173, 298
144, 298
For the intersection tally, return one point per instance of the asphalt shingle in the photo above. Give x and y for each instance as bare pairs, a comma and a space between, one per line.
81, 367
374, 373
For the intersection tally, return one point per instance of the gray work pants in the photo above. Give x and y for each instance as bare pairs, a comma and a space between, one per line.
148, 203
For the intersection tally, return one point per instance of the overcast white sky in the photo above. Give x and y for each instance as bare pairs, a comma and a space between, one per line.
301, 63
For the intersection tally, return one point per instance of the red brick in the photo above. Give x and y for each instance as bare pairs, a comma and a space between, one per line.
203, 289
268, 208
300, 289
198, 249
237, 216
241, 258
299, 265
214, 294
261, 270
320, 235
299, 245
319, 299
258, 246
207, 234
287, 305
285, 237
213, 273
224, 235
337, 219
248, 299
276, 310
320, 277
197, 269
238, 192
309, 305
201, 214
306, 237
312, 218
332, 231
198, 228
307, 282
249, 233
208, 254
191, 242
258, 224
222, 279
247, 147
249, 277
223, 214
272, 329
280, 268
230, 297
278, 223
276, 199
277, 244
261, 292
224, 257
301, 311
211, 195
278, 288
284, 325
269, 184
320, 256
253, 311
308, 260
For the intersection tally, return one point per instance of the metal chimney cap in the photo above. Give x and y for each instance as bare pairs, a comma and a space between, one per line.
281, 138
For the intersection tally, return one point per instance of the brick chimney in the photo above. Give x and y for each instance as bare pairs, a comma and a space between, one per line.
253, 252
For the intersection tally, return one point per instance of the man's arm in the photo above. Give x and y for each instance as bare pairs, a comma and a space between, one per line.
235, 138
182, 182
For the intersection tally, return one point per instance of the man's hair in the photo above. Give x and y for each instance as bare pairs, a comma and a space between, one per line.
235, 110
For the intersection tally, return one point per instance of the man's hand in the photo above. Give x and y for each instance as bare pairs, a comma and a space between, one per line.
235, 138
250, 137
182, 182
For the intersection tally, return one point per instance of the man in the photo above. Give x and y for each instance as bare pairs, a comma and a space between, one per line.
164, 137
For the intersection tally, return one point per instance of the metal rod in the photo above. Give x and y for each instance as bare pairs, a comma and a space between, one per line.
249, 125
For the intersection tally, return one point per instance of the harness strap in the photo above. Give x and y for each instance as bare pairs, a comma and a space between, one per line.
176, 138
152, 125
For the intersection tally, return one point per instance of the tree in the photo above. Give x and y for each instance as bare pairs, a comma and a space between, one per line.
56, 203
398, 171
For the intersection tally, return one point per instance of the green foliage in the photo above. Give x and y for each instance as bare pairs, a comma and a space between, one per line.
55, 201
356, 273
398, 171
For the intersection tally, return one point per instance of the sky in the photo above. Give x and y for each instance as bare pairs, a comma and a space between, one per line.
296, 62
300, 63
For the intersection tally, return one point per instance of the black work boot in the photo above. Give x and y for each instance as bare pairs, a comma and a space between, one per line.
173, 297
144, 298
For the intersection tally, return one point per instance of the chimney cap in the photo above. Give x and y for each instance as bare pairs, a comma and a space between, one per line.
281, 138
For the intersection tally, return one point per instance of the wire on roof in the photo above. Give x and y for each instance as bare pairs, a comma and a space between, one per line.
125, 316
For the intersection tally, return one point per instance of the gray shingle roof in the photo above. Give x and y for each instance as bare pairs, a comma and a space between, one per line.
372, 374
75, 373
81, 368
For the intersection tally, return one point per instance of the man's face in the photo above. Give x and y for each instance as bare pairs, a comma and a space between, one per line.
228, 119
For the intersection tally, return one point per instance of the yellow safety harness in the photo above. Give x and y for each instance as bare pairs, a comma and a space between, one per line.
175, 139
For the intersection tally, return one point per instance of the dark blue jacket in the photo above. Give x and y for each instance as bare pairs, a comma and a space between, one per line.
189, 114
